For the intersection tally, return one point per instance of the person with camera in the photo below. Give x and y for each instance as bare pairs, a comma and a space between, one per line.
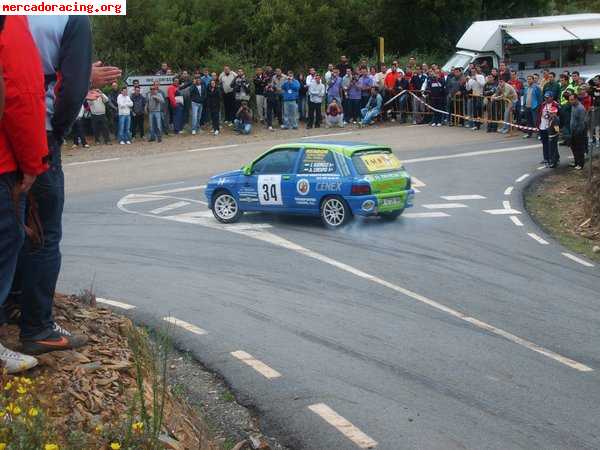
548, 126
243, 119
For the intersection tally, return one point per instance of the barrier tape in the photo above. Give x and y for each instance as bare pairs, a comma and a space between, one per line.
460, 116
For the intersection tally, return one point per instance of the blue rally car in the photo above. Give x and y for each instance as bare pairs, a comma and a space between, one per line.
336, 180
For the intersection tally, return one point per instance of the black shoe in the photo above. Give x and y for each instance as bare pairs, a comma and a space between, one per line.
59, 339
159, 140
151, 140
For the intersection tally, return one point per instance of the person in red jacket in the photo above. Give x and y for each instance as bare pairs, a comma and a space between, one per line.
23, 151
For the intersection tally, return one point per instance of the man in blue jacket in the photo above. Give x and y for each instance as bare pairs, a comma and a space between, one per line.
373, 108
532, 99
290, 88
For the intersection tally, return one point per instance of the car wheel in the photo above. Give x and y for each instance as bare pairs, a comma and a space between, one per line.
335, 212
390, 216
225, 208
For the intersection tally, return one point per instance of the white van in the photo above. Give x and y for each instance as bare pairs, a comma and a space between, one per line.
557, 43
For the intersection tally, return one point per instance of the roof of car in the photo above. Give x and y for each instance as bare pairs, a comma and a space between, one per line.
345, 147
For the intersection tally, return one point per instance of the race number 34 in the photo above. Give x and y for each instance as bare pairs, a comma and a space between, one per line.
269, 189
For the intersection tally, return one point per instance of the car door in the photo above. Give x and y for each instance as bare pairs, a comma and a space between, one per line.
272, 178
317, 175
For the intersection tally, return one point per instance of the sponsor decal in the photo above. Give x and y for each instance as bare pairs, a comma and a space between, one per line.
329, 186
368, 205
305, 201
222, 181
303, 186
315, 161
248, 195
269, 188
380, 162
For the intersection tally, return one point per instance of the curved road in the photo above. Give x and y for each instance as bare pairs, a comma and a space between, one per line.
460, 326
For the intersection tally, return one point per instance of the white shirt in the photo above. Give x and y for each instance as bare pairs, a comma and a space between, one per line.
125, 104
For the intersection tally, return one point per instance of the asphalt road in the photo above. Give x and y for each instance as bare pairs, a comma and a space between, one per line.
459, 326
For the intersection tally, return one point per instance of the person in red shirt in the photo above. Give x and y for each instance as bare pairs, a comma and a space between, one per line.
23, 151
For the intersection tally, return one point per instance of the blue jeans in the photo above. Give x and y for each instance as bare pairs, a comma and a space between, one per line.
368, 115
290, 114
155, 124
243, 128
178, 118
38, 267
196, 115
125, 128
12, 233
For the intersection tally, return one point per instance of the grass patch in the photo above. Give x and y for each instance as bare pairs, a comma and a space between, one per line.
557, 204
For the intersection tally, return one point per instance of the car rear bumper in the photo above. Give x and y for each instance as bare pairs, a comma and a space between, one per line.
373, 205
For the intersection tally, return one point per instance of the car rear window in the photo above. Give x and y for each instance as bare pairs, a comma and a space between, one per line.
376, 161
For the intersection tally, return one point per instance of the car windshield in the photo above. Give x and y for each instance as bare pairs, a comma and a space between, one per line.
457, 60
376, 161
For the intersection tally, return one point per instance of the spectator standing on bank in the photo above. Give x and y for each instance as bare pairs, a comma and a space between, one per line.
78, 130
344, 65
508, 96
176, 102
138, 112
97, 106
125, 105
364, 84
291, 88
547, 109
316, 94
352, 111
164, 69
302, 106
329, 74
552, 85
417, 82
198, 98
213, 103
243, 119
278, 80
113, 94
578, 131
334, 87
565, 109
226, 79
532, 98
241, 88
436, 88
260, 81
154, 104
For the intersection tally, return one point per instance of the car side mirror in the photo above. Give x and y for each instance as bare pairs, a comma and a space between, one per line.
247, 170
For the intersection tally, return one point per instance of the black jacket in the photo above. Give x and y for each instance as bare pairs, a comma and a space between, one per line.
198, 93
213, 99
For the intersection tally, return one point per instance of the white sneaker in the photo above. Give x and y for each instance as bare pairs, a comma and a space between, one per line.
193, 132
128, 142
122, 142
439, 125
414, 122
433, 124
270, 128
16, 362
216, 132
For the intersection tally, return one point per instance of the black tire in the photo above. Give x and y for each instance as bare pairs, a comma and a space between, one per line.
335, 212
225, 207
391, 216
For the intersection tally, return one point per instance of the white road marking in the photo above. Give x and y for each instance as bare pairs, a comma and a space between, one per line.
462, 197
508, 190
578, 260
415, 182
273, 239
426, 215
185, 325
516, 221
506, 204
326, 135
444, 205
139, 198
114, 303
94, 161
169, 207
141, 188
257, 365
541, 168
183, 189
468, 154
279, 241
499, 212
522, 177
216, 147
538, 238
343, 425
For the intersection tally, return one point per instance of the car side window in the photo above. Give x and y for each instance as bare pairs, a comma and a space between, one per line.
317, 160
278, 161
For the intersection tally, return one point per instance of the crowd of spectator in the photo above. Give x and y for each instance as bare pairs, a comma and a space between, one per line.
345, 94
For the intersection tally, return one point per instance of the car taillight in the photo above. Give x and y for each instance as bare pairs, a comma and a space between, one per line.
361, 189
